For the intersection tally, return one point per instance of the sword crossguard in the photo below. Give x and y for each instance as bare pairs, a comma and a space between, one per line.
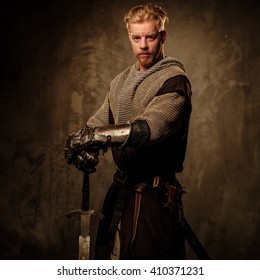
84, 212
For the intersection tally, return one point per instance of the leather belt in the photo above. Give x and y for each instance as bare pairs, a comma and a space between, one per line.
150, 180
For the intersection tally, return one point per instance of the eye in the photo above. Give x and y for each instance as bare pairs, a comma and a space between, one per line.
136, 38
151, 37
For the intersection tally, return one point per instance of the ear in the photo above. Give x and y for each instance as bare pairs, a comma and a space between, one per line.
163, 34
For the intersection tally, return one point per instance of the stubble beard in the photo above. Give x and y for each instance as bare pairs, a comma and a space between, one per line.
146, 62
149, 61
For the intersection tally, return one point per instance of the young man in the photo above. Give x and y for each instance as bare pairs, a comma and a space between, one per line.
144, 119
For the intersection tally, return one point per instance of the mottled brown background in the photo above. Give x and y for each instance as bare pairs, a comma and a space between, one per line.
57, 59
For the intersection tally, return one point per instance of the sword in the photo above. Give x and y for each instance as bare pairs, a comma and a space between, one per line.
85, 220
194, 242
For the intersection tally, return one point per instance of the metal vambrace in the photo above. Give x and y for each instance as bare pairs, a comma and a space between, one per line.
113, 135
129, 134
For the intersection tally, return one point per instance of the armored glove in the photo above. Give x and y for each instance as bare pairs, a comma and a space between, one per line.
86, 162
76, 143
92, 140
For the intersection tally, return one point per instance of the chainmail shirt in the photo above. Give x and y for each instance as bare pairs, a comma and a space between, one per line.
133, 95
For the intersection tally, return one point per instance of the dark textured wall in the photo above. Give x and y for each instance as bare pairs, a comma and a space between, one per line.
57, 60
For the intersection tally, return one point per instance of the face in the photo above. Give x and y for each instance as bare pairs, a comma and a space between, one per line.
147, 43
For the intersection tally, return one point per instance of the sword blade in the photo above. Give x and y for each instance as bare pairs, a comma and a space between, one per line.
84, 238
194, 242
84, 248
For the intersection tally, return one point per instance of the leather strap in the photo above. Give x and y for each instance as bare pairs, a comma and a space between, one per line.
139, 189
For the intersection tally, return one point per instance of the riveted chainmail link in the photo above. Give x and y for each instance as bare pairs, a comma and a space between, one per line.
132, 96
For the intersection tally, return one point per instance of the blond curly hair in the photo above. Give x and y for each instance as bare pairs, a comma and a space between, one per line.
141, 13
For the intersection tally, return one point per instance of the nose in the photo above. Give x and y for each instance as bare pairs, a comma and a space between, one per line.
143, 44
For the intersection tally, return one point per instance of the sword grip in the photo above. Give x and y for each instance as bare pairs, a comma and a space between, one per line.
85, 192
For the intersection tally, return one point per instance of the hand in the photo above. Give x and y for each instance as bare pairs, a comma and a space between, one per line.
80, 138
75, 143
86, 162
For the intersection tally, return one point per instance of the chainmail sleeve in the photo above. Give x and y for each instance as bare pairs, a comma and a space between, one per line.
169, 111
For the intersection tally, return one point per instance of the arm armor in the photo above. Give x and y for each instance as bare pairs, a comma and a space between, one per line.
112, 135
135, 134
93, 139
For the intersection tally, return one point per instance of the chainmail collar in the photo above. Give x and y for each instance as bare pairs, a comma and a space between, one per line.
167, 60
134, 79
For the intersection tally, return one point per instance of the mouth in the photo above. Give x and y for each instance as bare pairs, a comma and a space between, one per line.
144, 55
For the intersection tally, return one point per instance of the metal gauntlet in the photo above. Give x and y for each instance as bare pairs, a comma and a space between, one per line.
94, 139
86, 162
